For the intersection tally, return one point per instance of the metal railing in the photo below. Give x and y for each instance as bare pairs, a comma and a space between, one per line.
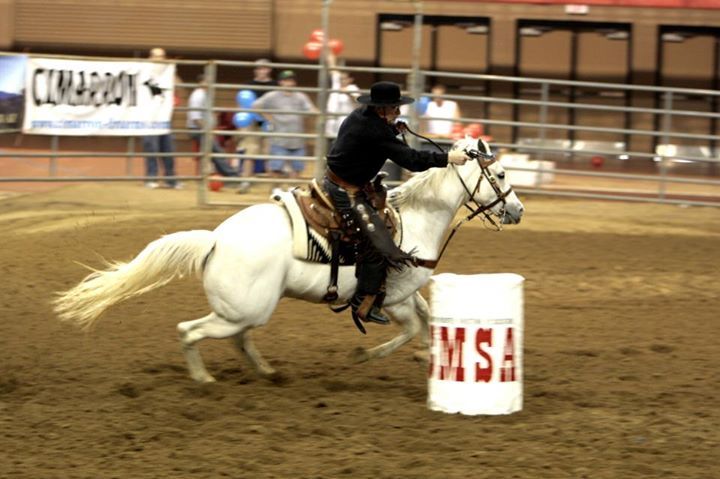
678, 176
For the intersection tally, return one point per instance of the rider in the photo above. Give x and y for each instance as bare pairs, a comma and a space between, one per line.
366, 139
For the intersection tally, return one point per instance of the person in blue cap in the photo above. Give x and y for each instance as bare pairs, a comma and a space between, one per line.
365, 140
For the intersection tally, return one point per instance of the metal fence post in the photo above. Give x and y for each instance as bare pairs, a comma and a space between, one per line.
416, 86
321, 141
542, 131
667, 125
207, 134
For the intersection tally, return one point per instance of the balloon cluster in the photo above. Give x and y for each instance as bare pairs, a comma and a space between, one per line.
244, 99
313, 48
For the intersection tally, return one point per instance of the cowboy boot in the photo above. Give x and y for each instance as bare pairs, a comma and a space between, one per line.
365, 310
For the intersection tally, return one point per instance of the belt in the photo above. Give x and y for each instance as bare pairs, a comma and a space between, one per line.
340, 182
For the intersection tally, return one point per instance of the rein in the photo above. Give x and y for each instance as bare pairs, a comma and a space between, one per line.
474, 211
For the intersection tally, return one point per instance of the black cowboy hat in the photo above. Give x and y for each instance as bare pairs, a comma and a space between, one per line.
385, 93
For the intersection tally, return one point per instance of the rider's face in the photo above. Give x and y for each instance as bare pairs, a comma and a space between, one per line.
390, 113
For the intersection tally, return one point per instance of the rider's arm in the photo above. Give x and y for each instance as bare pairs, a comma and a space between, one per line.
409, 158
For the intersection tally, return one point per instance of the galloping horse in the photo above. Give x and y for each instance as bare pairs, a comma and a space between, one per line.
247, 263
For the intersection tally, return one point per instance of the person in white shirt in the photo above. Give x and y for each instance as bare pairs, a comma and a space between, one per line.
196, 121
440, 114
339, 102
160, 144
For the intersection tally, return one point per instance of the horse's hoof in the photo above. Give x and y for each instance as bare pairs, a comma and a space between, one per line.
359, 355
422, 356
206, 379
277, 378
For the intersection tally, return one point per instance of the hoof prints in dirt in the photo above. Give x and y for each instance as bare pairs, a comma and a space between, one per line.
8, 386
128, 390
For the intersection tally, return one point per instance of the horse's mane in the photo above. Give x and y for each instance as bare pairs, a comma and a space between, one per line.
419, 189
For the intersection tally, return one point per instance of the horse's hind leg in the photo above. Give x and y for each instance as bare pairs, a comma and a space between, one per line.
210, 326
245, 344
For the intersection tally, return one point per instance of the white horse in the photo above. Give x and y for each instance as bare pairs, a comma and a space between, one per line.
247, 263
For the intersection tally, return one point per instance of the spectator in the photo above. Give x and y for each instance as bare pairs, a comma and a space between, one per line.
159, 144
253, 145
195, 121
286, 123
262, 76
440, 113
339, 102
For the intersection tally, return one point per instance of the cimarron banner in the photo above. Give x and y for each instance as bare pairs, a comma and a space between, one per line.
77, 97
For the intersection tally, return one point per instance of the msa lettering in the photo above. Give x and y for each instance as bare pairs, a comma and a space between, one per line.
450, 362
448, 358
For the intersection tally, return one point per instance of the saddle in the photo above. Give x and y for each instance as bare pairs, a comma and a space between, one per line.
318, 233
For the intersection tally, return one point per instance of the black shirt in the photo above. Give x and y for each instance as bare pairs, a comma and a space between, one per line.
365, 141
259, 93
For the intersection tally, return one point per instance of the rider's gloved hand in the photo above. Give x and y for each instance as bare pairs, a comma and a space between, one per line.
457, 157
401, 126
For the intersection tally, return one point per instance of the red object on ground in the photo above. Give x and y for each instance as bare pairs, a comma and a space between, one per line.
597, 161
215, 184
336, 46
312, 50
317, 35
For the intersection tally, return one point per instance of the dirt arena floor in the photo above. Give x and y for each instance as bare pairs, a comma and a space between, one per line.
621, 357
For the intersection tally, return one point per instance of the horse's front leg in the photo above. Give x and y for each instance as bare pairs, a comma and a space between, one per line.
403, 313
423, 311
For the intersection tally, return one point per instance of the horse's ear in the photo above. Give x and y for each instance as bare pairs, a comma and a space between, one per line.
484, 147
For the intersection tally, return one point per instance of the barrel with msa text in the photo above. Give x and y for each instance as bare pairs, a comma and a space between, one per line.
476, 334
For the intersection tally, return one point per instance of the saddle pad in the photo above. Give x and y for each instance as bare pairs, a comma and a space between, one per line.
308, 245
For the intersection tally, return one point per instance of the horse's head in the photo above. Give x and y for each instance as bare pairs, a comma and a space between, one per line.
486, 184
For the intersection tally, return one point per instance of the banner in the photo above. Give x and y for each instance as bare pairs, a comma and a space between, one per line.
77, 97
12, 84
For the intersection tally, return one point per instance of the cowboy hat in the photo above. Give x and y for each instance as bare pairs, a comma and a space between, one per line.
384, 93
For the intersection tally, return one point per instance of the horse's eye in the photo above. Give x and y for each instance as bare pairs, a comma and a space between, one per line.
501, 175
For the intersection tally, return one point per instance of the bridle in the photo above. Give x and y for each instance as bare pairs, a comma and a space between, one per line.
475, 207
500, 196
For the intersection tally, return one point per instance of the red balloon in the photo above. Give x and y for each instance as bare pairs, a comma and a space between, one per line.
312, 50
336, 46
317, 35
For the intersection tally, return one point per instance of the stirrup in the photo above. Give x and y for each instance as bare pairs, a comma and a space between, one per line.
366, 311
375, 316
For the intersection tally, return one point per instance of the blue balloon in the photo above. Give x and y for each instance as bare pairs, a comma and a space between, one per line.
245, 98
422, 104
242, 119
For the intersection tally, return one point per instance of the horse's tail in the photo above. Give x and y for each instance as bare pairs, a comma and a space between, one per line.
172, 256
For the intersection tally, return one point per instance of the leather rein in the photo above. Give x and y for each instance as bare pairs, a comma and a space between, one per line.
472, 204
